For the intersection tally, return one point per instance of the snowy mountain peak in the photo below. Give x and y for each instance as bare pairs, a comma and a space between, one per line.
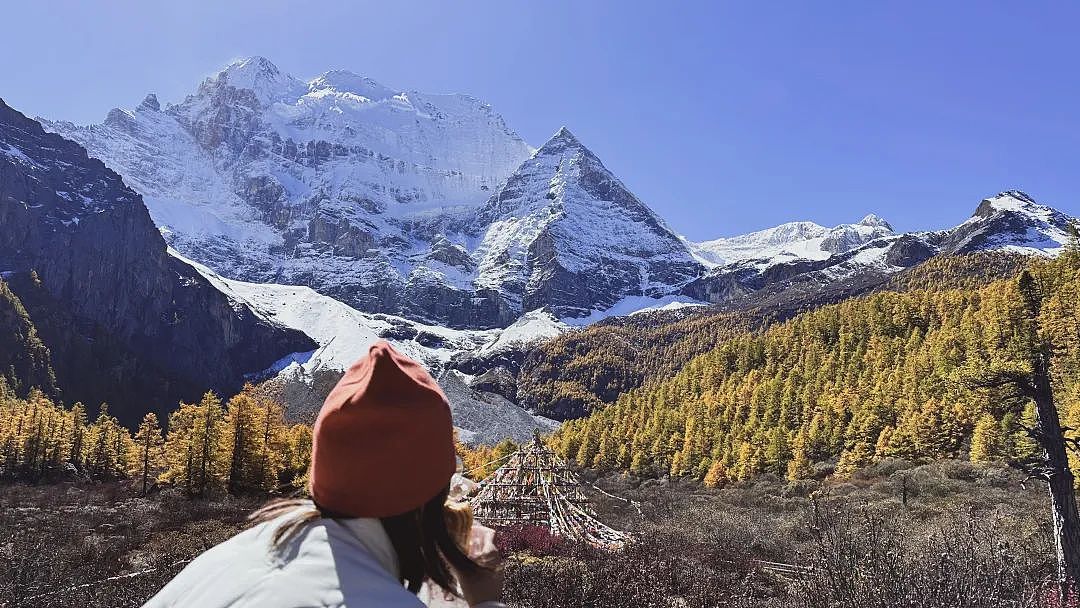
564, 135
340, 183
562, 141
1011, 221
259, 75
874, 221
564, 232
568, 175
246, 71
1009, 200
792, 241
1017, 194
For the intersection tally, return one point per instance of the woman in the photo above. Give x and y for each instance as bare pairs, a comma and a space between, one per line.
378, 526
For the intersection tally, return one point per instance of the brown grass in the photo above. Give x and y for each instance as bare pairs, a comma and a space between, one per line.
968, 537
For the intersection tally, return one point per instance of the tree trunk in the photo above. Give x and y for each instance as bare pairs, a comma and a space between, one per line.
207, 450
1059, 477
236, 468
146, 465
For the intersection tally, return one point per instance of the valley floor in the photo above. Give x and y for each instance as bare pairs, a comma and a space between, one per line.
949, 534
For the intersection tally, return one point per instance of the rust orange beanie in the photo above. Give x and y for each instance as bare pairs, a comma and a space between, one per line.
383, 442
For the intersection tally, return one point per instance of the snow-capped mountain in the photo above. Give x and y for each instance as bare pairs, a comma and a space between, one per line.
797, 255
427, 206
338, 183
792, 241
564, 232
424, 206
1011, 221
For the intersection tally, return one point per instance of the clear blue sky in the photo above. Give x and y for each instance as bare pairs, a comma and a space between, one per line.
724, 117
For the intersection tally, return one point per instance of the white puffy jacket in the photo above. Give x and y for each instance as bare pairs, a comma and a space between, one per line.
330, 563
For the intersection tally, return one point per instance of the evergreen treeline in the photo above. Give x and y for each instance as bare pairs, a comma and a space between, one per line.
241, 445
887, 375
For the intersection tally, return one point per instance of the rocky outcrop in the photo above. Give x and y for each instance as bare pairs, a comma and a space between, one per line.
126, 322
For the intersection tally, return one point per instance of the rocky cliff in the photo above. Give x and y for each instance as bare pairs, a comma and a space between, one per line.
125, 321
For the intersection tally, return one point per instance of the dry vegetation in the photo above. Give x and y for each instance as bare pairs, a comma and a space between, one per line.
59, 536
968, 536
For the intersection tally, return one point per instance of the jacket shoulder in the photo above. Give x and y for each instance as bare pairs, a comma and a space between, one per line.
319, 566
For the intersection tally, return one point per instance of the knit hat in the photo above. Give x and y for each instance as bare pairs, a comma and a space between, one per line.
383, 442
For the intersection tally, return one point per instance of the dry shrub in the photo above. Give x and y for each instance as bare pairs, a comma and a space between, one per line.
868, 559
61, 543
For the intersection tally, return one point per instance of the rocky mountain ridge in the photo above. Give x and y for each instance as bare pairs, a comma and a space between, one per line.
1010, 221
340, 183
429, 207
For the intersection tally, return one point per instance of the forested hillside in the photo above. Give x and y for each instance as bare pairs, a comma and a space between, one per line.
886, 375
570, 376
578, 372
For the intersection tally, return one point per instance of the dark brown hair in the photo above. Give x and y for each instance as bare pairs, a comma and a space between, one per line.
428, 540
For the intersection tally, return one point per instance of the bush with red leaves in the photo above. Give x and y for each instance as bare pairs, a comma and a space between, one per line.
536, 540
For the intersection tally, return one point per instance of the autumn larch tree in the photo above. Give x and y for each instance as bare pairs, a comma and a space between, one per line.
148, 457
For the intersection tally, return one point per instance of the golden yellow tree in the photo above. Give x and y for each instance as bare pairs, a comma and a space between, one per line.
195, 459
109, 447
148, 451
254, 442
986, 440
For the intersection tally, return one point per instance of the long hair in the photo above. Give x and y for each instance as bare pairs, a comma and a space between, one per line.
428, 540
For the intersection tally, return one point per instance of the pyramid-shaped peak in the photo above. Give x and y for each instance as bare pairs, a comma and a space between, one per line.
564, 135
562, 142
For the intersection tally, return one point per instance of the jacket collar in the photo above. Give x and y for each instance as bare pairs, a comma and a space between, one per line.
371, 534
